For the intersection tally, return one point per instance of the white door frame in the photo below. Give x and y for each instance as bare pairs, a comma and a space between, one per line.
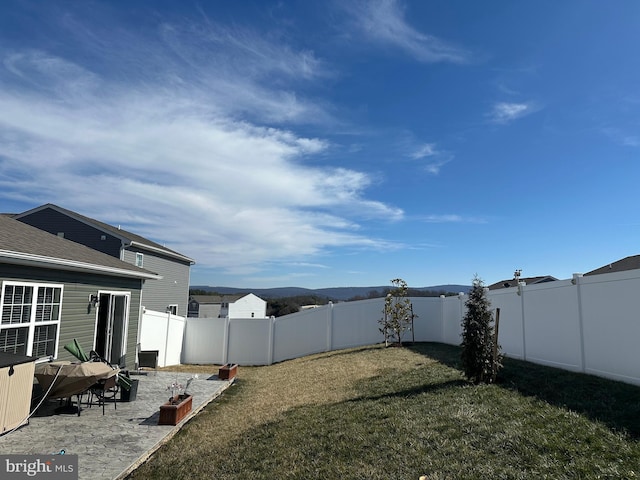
106, 349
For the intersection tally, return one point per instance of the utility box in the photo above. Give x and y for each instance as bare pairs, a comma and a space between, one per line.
16, 387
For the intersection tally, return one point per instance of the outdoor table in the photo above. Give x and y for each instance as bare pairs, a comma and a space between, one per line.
72, 378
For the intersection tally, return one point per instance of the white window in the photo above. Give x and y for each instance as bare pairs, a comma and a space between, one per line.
172, 309
30, 318
139, 259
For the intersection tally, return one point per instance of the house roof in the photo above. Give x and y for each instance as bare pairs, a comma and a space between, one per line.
627, 263
22, 244
125, 236
528, 280
215, 299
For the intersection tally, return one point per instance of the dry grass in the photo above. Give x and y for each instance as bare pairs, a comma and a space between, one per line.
268, 392
380, 413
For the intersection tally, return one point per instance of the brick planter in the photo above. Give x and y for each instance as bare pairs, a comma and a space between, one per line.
172, 412
228, 371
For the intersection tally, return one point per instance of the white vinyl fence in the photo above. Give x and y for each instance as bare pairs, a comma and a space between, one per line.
586, 324
163, 332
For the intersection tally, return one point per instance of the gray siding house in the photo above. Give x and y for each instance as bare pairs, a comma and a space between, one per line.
171, 293
53, 290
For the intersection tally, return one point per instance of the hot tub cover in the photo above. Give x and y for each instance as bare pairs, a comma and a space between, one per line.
9, 359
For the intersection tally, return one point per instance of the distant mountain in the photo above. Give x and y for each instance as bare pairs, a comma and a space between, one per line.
337, 293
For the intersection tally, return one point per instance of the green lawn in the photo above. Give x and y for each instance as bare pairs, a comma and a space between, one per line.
399, 413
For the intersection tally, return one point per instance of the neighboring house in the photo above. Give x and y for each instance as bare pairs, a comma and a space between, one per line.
627, 263
54, 290
232, 306
169, 294
204, 306
527, 280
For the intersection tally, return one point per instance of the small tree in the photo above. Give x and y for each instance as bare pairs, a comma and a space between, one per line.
397, 313
480, 353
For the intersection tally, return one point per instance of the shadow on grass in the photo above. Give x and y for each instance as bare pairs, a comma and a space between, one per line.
340, 353
612, 403
411, 392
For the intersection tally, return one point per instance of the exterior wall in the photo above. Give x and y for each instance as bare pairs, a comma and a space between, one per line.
249, 306
52, 221
172, 289
76, 322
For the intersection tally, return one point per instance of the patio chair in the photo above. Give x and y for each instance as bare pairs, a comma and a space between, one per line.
105, 389
148, 359
122, 379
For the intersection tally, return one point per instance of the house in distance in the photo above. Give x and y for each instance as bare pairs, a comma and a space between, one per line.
233, 306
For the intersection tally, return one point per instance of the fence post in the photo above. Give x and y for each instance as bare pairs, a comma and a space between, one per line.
272, 324
520, 292
461, 296
329, 344
577, 281
225, 341
166, 339
442, 297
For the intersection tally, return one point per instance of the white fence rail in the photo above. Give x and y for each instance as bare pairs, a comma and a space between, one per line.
587, 324
163, 332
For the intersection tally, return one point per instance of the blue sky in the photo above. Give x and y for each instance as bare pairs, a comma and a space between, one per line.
336, 143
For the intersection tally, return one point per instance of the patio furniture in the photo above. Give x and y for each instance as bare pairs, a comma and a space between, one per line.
148, 359
103, 390
67, 379
76, 350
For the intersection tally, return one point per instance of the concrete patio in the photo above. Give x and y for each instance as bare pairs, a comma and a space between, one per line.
109, 447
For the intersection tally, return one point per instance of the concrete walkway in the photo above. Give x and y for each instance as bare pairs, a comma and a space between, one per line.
109, 447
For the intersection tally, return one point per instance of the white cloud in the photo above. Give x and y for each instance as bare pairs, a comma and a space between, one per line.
505, 112
451, 218
183, 156
434, 167
307, 265
621, 137
384, 21
434, 159
426, 150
